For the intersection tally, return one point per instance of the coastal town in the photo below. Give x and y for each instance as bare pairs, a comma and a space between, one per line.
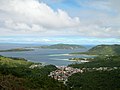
63, 72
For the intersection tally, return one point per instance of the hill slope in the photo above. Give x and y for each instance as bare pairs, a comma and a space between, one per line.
16, 74
105, 50
14, 62
62, 46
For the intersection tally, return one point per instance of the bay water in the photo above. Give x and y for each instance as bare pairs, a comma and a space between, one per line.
59, 57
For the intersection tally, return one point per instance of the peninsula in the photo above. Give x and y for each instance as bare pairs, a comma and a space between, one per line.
60, 46
16, 50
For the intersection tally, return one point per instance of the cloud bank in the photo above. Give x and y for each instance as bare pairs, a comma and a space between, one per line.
86, 18
32, 15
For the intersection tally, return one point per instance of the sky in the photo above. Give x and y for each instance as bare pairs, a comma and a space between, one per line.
60, 21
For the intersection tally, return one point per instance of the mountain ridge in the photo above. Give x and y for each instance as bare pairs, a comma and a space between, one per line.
103, 50
61, 46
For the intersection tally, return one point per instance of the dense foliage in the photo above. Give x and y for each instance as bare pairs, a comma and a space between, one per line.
17, 75
96, 80
100, 61
14, 62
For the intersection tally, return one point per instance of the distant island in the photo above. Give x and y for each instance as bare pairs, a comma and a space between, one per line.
16, 49
102, 50
60, 46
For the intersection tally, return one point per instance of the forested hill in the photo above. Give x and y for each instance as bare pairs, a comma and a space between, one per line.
61, 46
105, 50
20, 74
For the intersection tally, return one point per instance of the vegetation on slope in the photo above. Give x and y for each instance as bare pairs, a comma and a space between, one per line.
96, 80
107, 77
61, 46
17, 75
99, 61
14, 62
103, 50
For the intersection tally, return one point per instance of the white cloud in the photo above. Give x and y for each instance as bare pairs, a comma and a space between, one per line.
34, 12
98, 31
100, 18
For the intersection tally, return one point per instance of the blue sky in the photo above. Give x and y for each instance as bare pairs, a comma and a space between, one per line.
60, 21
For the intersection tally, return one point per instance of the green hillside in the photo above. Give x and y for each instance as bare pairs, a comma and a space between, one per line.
14, 62
62, 46
103, 50
17, 74
102, 73
95, 80
99, 61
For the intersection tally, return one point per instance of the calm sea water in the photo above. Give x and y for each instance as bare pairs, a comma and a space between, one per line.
59, 57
